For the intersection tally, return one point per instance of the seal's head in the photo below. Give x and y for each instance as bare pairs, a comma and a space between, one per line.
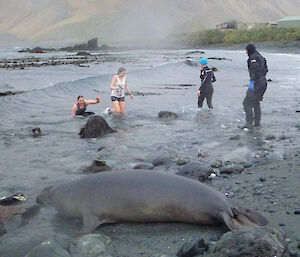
44, 197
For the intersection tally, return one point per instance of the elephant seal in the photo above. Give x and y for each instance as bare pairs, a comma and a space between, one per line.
144, 196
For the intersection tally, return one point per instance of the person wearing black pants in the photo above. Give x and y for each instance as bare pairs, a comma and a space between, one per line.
257, 67
206, 89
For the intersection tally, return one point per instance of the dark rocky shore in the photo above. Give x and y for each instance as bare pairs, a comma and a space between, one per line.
268, 183
266, 180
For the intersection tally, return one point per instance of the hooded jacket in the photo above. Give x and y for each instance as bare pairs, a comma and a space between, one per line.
257, 66
207, 78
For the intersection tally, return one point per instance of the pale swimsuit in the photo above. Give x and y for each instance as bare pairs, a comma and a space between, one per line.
119, 94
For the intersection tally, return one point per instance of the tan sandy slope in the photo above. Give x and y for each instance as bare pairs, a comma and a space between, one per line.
135, 20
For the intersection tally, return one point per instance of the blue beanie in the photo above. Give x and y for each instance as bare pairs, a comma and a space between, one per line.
203, 61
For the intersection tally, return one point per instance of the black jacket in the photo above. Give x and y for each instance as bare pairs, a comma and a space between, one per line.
257, 66
207, 78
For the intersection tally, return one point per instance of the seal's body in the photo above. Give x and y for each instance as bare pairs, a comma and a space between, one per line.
144, 196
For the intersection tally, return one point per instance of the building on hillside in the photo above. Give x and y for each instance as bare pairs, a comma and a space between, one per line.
249, 26
227, 25
272, 24
245, 25
289, 22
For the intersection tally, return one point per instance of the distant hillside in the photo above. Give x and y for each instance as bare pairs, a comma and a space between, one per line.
116, 21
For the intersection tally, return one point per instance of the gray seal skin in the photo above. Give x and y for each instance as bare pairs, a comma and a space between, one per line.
144, 196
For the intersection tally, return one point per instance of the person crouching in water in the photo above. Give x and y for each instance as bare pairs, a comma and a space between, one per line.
79, 108
206, 89
257, 67
118, 87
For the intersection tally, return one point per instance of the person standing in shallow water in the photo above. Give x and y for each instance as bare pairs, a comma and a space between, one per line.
118, 88
79, 108
206, 89
257, 67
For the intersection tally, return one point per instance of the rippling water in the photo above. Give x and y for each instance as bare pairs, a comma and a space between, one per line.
29, 164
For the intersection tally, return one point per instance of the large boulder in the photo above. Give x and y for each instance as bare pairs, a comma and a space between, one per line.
250, 242
159, 158
239, 155
167, 115
196, 171
96, 126
91, 245
190, 249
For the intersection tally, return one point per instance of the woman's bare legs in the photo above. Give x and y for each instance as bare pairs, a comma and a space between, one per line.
122, 108
116, 105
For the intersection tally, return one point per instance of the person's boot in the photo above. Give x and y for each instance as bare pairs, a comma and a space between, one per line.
246, 126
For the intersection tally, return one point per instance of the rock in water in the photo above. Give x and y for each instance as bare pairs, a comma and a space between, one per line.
166, 114
48, 249
91, 245
96, 126
97, 166
195, 170
255, 241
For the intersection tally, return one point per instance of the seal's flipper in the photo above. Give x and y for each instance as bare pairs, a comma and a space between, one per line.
244, 214
243, 218
90, 223
229, 221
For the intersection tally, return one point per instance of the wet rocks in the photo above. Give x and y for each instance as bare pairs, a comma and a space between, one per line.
270, 137
275, 156
247, 165
191, 63
143, 166
255, 241
297, 211
219, 58
183, 160
240, 155
96, 126
83, 53
48, 249
195, 52
262, 179
91, 245
167, 115
193, 248
159, 158
97, 166
6, 93
196, 171
233, 168
237, 137
216, 164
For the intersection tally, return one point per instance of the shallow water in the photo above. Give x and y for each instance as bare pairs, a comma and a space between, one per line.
29, 164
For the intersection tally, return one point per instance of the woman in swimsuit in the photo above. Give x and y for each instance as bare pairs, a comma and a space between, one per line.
118, 88
79, 108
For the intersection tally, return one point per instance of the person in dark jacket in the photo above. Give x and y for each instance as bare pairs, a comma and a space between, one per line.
206, 89
257, 67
